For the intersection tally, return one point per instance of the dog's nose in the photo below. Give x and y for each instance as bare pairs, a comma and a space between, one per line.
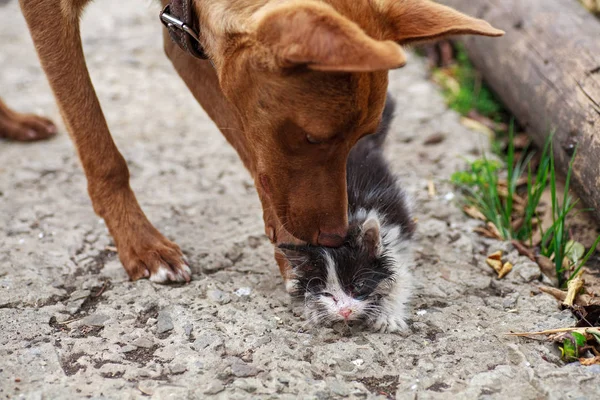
331, 239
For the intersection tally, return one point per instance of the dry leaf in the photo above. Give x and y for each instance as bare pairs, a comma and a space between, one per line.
502, 191
443, 78
474, 212
523, 250
506, 268
493, 125
521, 141
590, 361
477, 127
494, 260
566, 264
485, 232
431, 188
519, 200
573, 288
546, 266
583, 331
492, 228
517, 224
434, 139
583, 300
495, 264
558, 294
519, 209
592, 5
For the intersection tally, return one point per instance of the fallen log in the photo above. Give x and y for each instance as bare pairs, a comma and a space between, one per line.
546, 70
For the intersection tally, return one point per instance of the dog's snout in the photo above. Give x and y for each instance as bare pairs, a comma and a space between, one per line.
332, 238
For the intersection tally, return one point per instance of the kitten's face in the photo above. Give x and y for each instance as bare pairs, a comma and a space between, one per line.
345, 283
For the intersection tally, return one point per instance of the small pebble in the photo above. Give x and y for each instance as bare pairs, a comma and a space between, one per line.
143, 342
214, 388
358, 362
164, 323
242, 370
243, 291
218, 296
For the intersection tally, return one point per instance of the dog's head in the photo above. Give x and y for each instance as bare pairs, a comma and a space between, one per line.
308, 79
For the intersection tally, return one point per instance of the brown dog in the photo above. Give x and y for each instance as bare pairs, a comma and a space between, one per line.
291, 84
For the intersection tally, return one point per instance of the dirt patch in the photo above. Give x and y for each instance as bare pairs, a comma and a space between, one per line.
112, 375
144, 316
87, 331
439, 387
384, 386
91, 302
141, 355
70, 364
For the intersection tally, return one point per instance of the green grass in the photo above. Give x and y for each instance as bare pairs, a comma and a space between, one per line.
465, 91
472, 93
492, 186
555, 241
481, 183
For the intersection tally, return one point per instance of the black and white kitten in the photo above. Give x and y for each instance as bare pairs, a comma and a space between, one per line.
367, 278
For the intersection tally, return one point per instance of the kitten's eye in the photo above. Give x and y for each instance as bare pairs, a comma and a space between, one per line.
361, 297
326, 294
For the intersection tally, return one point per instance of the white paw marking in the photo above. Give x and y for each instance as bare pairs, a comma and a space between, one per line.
160, 276
164, 274
389, 324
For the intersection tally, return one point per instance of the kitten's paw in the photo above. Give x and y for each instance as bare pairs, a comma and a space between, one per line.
389, 324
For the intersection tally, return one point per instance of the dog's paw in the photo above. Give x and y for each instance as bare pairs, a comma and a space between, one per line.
25, 127
389, 323
160, 260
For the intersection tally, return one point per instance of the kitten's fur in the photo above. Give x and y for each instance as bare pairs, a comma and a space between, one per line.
367, 278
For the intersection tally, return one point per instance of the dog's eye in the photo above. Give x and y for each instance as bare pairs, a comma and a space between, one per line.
312, 140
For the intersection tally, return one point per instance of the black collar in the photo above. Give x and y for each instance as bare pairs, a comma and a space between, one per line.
180, 19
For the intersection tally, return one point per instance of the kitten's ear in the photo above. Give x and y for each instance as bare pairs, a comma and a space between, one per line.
371, 236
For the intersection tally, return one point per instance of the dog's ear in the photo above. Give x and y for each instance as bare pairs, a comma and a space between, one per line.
313, 34
411, 21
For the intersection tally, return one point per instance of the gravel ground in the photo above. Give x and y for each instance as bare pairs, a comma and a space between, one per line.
73, 326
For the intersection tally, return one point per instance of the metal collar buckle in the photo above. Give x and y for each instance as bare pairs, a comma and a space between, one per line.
175, 24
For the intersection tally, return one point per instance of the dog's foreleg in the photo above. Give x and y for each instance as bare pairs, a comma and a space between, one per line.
144, 252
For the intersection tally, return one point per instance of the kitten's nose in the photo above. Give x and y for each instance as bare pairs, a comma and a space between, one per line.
345, 312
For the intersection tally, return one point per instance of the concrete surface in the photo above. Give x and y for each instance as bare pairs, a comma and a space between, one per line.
72, 326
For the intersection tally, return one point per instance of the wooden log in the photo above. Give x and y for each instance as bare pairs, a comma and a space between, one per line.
546, 70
